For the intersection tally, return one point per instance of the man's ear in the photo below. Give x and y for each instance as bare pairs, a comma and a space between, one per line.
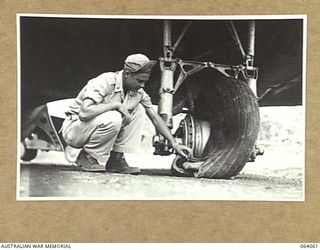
126, 73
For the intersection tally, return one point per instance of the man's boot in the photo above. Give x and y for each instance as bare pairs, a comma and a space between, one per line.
117, 164
86, 162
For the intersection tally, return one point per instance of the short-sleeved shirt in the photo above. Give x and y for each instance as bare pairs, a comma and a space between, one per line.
107, 88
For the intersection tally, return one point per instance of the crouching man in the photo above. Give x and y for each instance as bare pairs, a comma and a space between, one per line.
107, 115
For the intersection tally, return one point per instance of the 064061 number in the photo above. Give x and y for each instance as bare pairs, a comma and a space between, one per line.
309, 245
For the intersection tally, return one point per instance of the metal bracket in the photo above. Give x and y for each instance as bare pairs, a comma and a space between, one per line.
249, 70
185, 72
227, 69
167, 63
166, 90
188, 68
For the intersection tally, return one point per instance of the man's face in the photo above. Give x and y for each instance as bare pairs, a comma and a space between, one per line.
135, 81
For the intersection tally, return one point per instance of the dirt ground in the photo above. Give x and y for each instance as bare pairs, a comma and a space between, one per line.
277, 175
261, 180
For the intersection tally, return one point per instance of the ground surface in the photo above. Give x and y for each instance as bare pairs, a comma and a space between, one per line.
257, 181
277, 175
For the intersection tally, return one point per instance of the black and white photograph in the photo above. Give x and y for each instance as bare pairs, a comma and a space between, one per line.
161, 107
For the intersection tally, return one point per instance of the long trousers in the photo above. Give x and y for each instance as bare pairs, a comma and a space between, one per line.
104, 133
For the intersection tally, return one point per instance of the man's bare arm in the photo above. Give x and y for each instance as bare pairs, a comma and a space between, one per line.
164, 130
89, 109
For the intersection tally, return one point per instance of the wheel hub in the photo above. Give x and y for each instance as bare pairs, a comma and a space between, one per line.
195, 134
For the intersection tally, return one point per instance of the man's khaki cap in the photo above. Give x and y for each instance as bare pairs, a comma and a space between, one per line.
139, 63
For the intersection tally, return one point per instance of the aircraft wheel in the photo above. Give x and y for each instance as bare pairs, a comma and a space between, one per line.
27, 154
231, 109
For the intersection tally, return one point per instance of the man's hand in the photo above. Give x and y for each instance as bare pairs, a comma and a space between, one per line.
182, 150
125, 113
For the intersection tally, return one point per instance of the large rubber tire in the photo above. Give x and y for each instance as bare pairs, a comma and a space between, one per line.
233, 112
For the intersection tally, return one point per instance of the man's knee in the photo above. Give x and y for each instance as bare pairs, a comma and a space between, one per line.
112, 119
